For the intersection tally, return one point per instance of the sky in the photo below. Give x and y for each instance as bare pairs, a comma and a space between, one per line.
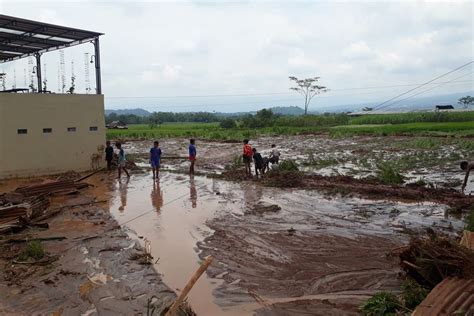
230, 56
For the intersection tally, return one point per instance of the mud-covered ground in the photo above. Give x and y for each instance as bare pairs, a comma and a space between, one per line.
304, 250
323, 252
435, 160
91, 267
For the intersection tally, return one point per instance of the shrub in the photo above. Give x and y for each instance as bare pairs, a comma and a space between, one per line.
382, 303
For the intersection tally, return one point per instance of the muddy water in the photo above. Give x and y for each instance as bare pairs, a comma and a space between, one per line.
171, 214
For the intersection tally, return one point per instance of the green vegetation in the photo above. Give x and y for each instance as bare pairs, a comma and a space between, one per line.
413, 117
428, 129
387, 173
288, 165
265, 122
382, 303
413, 294
34, 250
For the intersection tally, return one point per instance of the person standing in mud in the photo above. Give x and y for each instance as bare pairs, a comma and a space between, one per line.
192, 155
155, 159
247, 157
121, 161
466, 166
109, 155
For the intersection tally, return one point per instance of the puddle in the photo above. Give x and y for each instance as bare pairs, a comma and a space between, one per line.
171, 214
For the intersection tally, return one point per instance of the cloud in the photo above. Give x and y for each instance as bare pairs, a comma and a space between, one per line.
196, 47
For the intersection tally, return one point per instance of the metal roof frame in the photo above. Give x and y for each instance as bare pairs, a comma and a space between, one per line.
20, 38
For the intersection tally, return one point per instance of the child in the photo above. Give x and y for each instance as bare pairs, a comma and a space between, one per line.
258, 161
192, 155
274, 155
121, 160
155, 158
247, 157
466, 166
109, 155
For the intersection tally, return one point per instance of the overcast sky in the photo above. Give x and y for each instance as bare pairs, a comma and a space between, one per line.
175, 49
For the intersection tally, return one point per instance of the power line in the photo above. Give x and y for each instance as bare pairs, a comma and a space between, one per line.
258, 94
424, 84
426, 90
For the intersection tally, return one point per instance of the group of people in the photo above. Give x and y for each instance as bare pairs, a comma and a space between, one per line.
261, 163
155, 158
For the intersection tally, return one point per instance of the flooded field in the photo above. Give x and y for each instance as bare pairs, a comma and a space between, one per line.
277, 251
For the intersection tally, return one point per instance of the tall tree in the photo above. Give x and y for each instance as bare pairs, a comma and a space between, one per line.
308, 88
466, 101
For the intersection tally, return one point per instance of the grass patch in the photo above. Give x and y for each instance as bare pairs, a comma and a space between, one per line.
34, 250
382, 303
387, 173
288, 165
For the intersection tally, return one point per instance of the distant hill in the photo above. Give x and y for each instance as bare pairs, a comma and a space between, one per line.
137, 111
287, 110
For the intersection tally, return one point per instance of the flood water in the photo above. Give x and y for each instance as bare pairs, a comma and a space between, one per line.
171, 214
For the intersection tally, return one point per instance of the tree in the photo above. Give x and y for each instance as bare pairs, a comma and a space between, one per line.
466, 101
228, 123
308, 88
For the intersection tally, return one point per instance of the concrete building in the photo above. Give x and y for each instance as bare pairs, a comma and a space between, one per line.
46, 133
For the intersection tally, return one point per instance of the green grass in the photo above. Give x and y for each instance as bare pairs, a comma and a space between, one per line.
414, 117
470, 221
388, 173
429, 129
211, 131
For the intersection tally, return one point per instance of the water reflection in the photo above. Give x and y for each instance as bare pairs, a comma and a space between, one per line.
192, 192
156, 196
123, 188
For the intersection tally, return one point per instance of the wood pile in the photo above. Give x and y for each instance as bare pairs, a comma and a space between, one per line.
26, 203
62, 186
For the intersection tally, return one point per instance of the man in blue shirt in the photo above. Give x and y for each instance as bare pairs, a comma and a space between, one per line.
155, 158
192, 155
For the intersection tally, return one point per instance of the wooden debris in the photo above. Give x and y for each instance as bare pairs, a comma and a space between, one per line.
189, 286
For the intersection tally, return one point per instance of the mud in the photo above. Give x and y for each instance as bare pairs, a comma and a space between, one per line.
314, 243
365, 187
90, 271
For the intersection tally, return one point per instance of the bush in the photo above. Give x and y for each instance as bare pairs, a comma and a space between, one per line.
228, 123
382, 303
288, 165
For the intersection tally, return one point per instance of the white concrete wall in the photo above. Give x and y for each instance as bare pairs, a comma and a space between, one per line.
39, 153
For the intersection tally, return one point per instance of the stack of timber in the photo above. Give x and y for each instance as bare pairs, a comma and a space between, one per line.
64, 186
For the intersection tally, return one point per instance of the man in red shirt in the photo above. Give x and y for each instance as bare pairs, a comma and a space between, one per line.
247, 157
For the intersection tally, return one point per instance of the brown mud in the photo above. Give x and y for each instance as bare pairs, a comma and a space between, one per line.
88, 270
362, 187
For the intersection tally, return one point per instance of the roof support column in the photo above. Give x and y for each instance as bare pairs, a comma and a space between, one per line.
98, 83
38, 72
